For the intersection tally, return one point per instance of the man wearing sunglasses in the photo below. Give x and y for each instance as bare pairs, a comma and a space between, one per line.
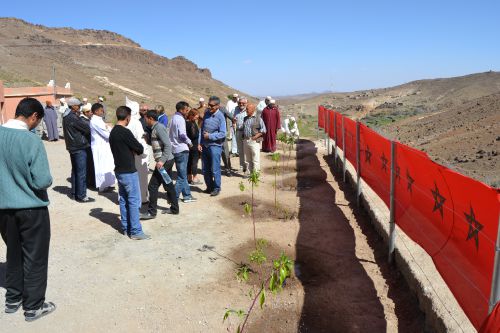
212, 138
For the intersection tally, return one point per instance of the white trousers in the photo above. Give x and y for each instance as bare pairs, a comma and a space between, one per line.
252, 154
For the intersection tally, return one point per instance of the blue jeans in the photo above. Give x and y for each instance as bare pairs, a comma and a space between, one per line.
130, 202
211, 156
79, 173
181, 185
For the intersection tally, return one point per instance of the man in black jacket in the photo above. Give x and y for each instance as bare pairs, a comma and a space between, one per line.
76, 132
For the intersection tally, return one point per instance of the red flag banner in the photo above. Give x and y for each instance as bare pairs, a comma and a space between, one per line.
466, 261
338, 124
350, 140
321, 116
452, 217
331, 115
424, 205
375, 161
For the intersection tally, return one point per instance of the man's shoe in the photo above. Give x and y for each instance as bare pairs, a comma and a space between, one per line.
169, 211
215, 193
140, 237
13, 307
146, 216
208, 191
189, 199
32, 315
85, 200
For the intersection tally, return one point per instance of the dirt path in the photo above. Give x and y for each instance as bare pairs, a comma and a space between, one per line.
183, 279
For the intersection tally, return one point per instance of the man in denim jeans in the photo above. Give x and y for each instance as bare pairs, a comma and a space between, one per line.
213, 134
76, 133
180, 148
124, 146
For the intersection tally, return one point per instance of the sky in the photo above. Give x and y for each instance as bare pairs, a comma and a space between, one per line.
292, 47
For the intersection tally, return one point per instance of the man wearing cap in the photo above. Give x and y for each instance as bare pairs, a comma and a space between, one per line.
271, 118
239, 116
100, 100
262, 104
86, 115
76, 132
231, 106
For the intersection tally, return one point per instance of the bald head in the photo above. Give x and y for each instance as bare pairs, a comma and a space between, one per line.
250, 109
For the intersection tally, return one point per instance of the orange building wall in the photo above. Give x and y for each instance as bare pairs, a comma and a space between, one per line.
12, 97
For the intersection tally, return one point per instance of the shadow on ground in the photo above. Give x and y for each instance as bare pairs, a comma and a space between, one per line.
339, 294
111, 219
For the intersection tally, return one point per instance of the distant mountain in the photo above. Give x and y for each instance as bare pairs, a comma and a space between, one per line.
456, 120
99, 62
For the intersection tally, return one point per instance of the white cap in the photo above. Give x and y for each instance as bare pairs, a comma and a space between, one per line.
101, 99
235, 95
85, 100
74, 101
272, 101
268, 97
62, 99
87, 107
202, 99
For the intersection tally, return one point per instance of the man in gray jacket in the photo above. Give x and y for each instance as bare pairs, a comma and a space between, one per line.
162, 152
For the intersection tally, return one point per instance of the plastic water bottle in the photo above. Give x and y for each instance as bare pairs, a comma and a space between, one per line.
165, 175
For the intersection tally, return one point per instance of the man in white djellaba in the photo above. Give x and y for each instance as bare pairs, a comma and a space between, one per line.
104, 164
141, 161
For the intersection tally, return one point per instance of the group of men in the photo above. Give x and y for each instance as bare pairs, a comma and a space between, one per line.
250, 129
24, 217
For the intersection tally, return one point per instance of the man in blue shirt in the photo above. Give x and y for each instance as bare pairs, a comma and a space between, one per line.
213, 134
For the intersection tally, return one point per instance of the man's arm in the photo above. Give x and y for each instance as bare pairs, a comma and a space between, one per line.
167, 146
39, 169
278, 120
82, 126
133, 144
221, 133
181, 131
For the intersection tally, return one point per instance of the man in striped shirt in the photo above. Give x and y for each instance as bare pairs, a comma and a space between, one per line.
253, 130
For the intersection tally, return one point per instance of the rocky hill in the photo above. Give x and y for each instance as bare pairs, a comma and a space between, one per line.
98, 62
455, 120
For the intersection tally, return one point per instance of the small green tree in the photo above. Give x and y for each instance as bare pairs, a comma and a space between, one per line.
276, 159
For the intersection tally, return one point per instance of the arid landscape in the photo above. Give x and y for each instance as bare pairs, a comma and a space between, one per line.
455, 120
98, 62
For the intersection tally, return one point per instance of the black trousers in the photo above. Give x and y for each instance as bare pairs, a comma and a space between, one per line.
154, 185
192, 166
27, 234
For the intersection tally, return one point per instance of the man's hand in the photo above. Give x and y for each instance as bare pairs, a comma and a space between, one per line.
200, 148
205, 135
159, 165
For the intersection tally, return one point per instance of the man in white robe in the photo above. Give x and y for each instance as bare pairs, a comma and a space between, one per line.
104, 164
230, 106
141, 161
262, 105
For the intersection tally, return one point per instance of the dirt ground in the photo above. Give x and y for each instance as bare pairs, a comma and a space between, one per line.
184, 278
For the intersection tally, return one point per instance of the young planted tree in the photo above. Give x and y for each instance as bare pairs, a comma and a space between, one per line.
276, 159
254, 180
281, 268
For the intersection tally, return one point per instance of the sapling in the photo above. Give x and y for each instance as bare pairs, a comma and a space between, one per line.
280, 270
276, 158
